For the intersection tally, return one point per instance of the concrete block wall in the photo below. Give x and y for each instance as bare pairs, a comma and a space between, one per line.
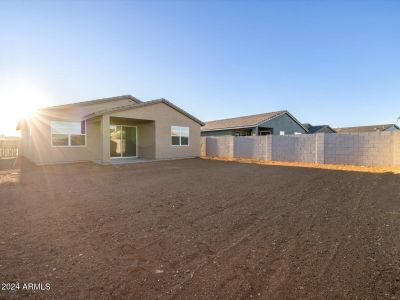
268, 147
366, 149
254, 147
221, 146
320, 148
203, 141
396, 148
293, 148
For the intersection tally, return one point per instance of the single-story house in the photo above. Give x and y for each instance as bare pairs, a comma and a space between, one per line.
369, 128
110, 130
278, 123
318, 128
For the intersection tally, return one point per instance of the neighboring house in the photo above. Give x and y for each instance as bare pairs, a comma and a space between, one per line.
279, 122
369, 128
318, 128
109, 130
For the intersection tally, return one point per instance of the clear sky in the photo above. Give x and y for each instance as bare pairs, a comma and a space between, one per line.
327, 62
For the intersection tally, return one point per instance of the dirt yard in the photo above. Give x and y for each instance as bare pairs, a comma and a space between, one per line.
199, 229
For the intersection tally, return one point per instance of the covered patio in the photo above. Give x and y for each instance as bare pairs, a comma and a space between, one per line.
127, 140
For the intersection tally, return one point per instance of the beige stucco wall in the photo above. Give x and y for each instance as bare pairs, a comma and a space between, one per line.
154, 134
146, 140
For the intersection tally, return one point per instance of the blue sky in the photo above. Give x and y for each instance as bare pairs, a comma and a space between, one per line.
325, 61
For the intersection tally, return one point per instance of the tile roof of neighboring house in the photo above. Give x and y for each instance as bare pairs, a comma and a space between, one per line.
141, 104
241, 122
314, 129
368, 128
96, 101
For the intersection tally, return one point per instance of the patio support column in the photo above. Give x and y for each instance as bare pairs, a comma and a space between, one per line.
105, 134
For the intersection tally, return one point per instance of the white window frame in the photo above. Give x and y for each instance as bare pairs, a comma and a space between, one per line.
69, 135
180, 136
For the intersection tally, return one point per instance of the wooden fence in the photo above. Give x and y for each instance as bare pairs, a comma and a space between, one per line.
9, 147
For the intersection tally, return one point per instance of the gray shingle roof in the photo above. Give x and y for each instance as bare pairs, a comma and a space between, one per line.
241, 122
368, 128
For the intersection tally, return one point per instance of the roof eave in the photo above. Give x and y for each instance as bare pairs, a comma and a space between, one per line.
152, 102
92, 102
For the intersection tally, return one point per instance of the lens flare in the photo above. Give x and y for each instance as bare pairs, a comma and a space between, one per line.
19, 100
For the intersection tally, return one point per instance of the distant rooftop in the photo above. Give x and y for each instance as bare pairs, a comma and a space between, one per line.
368, 128
316, 128
241, 122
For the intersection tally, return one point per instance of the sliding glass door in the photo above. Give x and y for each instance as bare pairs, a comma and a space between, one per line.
123, 141
129, 141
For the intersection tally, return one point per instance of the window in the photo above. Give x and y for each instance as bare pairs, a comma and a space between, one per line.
180, 136
242, 133
282, 133
264, 132
68, 134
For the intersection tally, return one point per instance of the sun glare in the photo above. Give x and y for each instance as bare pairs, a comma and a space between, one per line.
19, 100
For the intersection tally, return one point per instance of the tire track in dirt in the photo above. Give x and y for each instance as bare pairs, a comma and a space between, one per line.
357, 197
252, 230
285, 272
342, 186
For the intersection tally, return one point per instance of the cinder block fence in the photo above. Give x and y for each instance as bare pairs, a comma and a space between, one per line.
365, 149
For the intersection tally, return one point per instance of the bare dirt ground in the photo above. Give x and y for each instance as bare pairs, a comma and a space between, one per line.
354, 168
199, 229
